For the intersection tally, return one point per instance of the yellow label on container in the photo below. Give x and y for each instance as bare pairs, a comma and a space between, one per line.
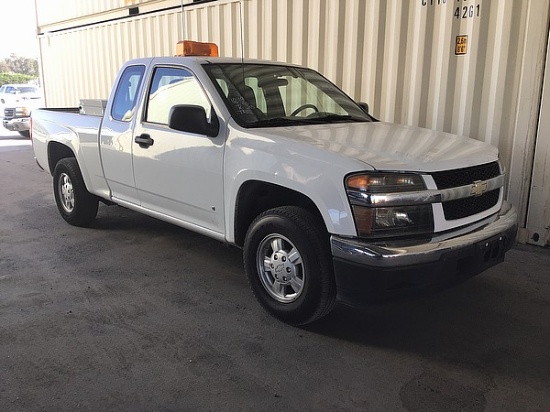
461, 46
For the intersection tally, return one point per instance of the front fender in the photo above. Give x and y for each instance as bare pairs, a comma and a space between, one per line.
322, 182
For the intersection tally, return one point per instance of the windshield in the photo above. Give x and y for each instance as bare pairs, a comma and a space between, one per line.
261, 95
27, 89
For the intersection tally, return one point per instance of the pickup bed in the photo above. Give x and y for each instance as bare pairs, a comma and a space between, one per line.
326, 202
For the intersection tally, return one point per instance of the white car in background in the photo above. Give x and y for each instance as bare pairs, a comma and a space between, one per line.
13, 94
17, 101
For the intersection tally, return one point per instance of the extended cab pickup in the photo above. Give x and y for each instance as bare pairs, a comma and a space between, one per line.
326, 202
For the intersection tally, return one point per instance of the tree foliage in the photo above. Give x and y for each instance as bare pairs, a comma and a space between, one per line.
11, 78
19, 65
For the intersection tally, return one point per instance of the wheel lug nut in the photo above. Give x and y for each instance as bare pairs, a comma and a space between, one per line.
272, 266
287, 270
275, 257
284, 259
284, 278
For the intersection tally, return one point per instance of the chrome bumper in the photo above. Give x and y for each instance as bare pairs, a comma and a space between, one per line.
395, 255
17, 124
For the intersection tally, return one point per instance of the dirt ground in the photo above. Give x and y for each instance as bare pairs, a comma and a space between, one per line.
134, 314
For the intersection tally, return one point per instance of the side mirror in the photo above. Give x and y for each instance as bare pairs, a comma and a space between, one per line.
192, 119
364, 106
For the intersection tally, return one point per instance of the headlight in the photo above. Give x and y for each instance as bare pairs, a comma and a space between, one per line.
372, 220
385, 183
21, 111
393, 221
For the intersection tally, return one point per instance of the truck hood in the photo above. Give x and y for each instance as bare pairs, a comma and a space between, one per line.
388, 146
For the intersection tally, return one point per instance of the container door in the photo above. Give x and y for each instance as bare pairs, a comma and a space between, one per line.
538, 217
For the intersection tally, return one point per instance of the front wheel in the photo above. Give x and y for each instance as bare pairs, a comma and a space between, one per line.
76, 205
288, 265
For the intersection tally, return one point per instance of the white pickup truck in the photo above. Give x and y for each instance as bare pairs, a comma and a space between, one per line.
327, 203
17, 101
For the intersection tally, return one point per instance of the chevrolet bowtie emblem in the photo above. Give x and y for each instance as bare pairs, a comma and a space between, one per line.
478, 188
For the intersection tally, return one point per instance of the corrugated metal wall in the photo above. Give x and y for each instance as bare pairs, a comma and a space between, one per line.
56, 11
399, 56
83, 63
58, 14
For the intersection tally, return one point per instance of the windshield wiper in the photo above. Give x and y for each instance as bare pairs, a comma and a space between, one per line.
332, 118
296, 121
281, 121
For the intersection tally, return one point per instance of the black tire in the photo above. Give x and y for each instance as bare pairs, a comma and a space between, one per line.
289, 266
76, 205
25, 133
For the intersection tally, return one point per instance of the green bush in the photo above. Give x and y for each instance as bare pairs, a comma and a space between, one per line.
9, 78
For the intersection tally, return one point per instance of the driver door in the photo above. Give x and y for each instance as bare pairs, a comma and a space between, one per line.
178, 174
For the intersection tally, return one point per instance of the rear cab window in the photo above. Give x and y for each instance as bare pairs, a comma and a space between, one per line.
125, 99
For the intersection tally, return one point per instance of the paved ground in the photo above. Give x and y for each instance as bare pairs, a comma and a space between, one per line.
134, 314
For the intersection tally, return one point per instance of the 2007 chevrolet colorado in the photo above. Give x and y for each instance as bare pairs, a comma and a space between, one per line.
326, 202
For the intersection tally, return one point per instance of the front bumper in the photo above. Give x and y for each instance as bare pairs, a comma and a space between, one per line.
367, 272
18, 124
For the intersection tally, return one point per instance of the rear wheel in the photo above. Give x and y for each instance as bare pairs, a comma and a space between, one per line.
288, 265
76, 205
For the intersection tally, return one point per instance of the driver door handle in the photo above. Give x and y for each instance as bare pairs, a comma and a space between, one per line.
144, 141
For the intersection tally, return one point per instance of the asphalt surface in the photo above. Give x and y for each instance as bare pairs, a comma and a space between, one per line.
134, 314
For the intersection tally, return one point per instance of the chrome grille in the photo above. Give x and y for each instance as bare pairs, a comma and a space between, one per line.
9, 113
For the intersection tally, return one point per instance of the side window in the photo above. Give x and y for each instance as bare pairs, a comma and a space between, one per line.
170, 87
125, 99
